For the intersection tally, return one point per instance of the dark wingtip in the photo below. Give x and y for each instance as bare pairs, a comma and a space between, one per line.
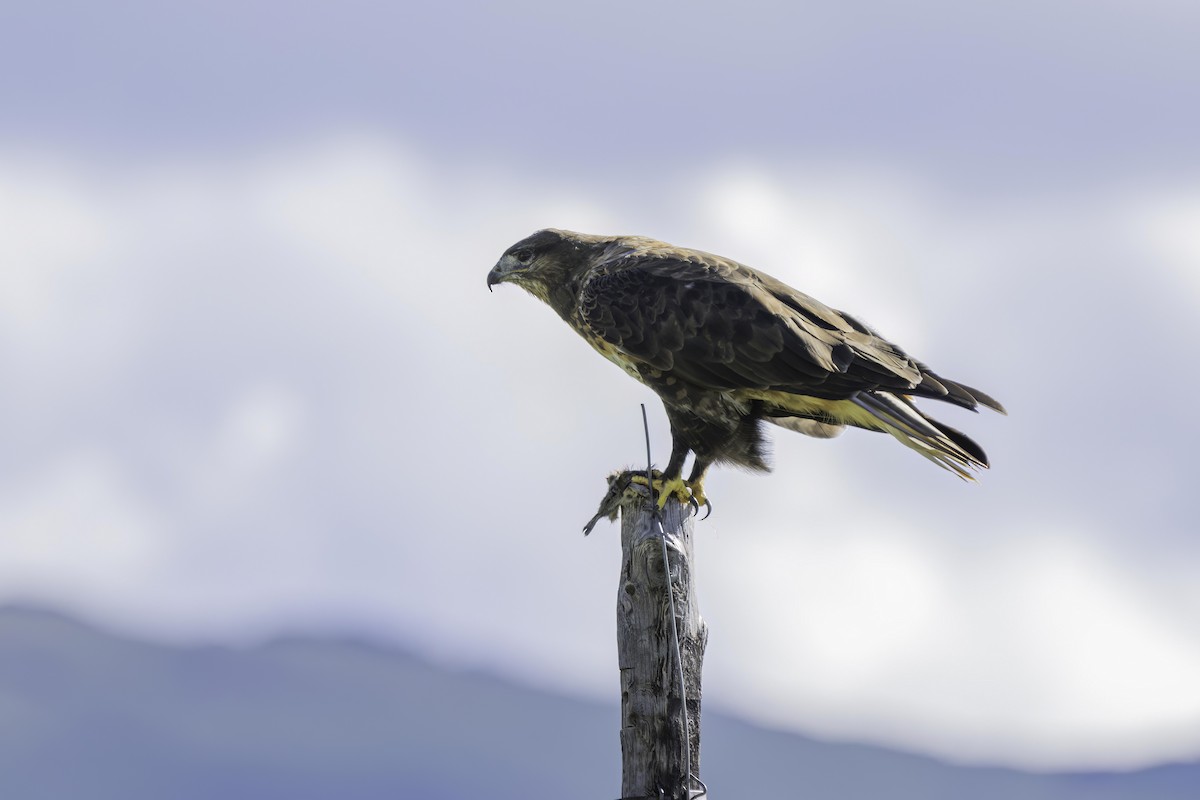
986, 400
962, 395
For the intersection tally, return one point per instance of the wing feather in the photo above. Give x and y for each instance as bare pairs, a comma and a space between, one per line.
722, 325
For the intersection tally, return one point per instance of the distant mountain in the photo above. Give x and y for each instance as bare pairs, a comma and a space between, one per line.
89, 715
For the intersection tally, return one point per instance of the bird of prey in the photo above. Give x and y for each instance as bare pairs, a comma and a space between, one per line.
728, 348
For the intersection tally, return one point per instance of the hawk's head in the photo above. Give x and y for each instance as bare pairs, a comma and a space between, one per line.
544, 262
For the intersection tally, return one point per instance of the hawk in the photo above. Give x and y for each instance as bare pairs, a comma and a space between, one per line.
728, 348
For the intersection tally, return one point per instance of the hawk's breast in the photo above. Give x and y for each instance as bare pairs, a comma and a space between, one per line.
609, 351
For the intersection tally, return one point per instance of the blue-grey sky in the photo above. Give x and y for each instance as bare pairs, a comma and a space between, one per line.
1060, 86
255, 381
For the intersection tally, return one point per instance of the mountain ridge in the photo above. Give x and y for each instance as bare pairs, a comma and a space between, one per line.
85, 713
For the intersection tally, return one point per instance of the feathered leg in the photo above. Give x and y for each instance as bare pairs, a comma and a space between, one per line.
669, 482
672, 477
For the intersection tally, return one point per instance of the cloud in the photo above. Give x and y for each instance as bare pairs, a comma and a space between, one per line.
271, 390
1043, 648
1168, 227
830, 226
77, 529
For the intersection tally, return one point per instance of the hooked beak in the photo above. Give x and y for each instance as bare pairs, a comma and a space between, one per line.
500, 273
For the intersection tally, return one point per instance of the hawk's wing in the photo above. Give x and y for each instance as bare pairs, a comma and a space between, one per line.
719, 324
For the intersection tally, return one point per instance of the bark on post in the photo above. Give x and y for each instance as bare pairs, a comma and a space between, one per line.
653, 738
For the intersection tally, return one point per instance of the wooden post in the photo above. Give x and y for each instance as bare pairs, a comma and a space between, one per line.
657, 750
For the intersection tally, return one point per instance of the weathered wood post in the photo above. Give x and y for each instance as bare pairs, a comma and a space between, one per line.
660, 725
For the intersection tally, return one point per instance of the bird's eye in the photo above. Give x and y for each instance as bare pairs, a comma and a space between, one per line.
524, 256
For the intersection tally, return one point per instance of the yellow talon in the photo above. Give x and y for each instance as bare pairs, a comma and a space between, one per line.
676, 488
640, 478
663, 489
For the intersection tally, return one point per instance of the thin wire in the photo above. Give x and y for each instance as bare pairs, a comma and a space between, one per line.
649, 469
662, 538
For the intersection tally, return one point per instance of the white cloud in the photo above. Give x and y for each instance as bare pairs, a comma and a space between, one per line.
847, 235
61, 300
354, 200
312, 409
1167, 227
263, 427
1037, 651
840, 609
51, 225
77, 527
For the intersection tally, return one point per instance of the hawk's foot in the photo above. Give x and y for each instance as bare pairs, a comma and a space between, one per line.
696, 487
665, 488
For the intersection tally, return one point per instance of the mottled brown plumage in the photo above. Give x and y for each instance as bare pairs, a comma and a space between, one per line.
727, 347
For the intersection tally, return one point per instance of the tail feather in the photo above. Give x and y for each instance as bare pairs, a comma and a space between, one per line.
948, 448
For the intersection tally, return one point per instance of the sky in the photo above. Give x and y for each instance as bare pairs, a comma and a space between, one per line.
255, 382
